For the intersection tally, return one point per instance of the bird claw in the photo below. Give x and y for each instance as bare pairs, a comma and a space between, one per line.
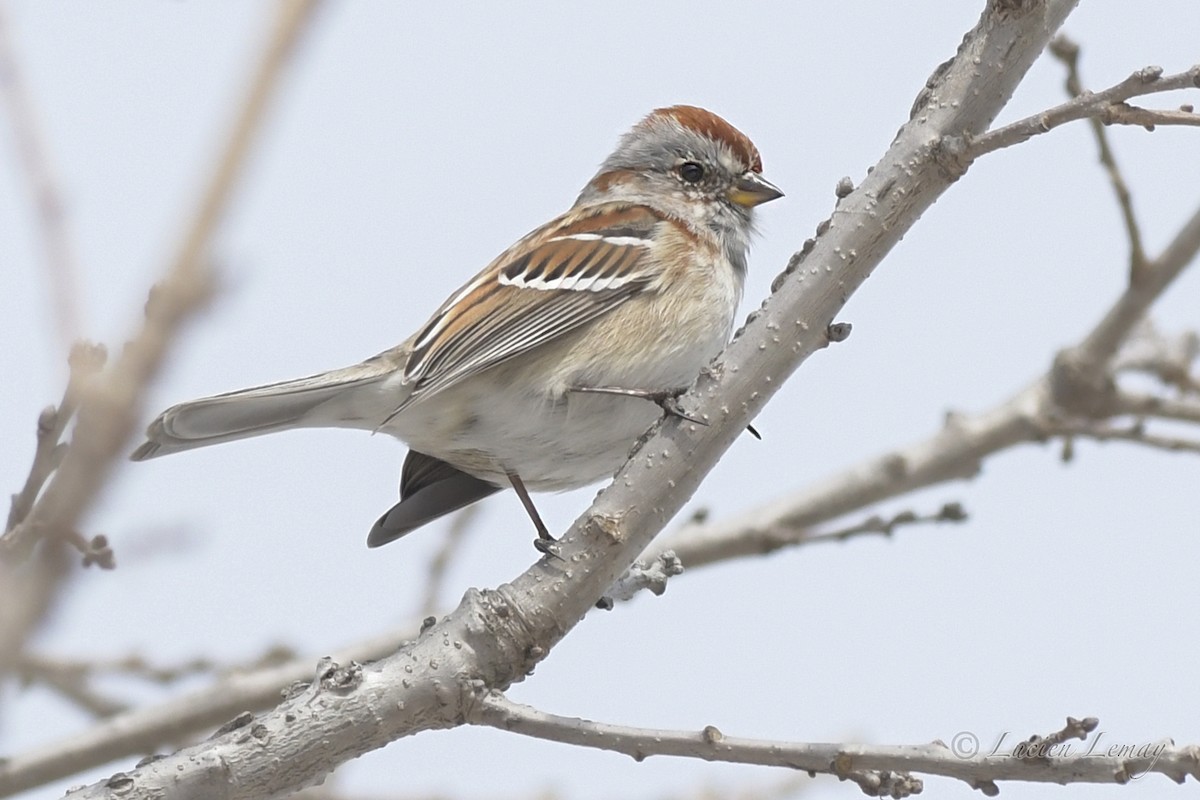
548, 547
667, 400
669, 403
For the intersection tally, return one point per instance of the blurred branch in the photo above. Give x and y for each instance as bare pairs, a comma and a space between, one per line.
880, 770
68, 681
110, 406
85, 361
1135, 433
73, 679
47, 196
1169, 358
460, 525
30, 591
879, 526
1150, 405
32, 587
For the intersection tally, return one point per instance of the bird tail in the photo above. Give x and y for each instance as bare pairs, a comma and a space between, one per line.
261, 410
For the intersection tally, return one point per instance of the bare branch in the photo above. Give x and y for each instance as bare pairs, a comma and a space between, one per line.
71, 683
1135, 433
1168, 358
1067, 51
698, 548
1149, 80
1146, 405
1149, 118
85, 361
877, 525
1050, 759
34, 667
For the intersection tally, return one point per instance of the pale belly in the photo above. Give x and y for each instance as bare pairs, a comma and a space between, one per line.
551, 444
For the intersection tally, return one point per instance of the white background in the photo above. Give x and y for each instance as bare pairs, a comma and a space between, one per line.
412, 144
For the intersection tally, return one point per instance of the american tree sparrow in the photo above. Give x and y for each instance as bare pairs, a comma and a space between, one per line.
535, 373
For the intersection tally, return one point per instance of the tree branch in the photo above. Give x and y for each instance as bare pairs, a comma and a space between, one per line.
1104, 432
1148, 80
1149, 405
1050, 759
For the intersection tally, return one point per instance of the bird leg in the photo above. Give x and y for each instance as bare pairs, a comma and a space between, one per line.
666, 399
545, 543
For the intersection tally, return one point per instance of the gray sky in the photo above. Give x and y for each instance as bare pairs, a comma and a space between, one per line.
414, 143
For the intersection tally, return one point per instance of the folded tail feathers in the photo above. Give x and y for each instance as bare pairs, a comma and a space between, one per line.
253, 412
429, 488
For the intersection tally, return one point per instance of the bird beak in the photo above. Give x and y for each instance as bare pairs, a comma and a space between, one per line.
752, 189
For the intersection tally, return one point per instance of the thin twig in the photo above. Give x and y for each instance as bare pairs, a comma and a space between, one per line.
767, 539
1169, 358
879, 526
1135, 434
132, 666
85, 361
73, 684
1148, 118
1051, 759
1067, 52
1149, 80
1149, 405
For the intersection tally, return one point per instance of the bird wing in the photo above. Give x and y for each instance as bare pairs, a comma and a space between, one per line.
556, 279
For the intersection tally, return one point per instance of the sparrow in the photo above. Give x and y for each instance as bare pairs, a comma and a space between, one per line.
537, 372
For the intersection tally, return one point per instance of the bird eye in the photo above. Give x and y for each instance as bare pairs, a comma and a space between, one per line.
691, 172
